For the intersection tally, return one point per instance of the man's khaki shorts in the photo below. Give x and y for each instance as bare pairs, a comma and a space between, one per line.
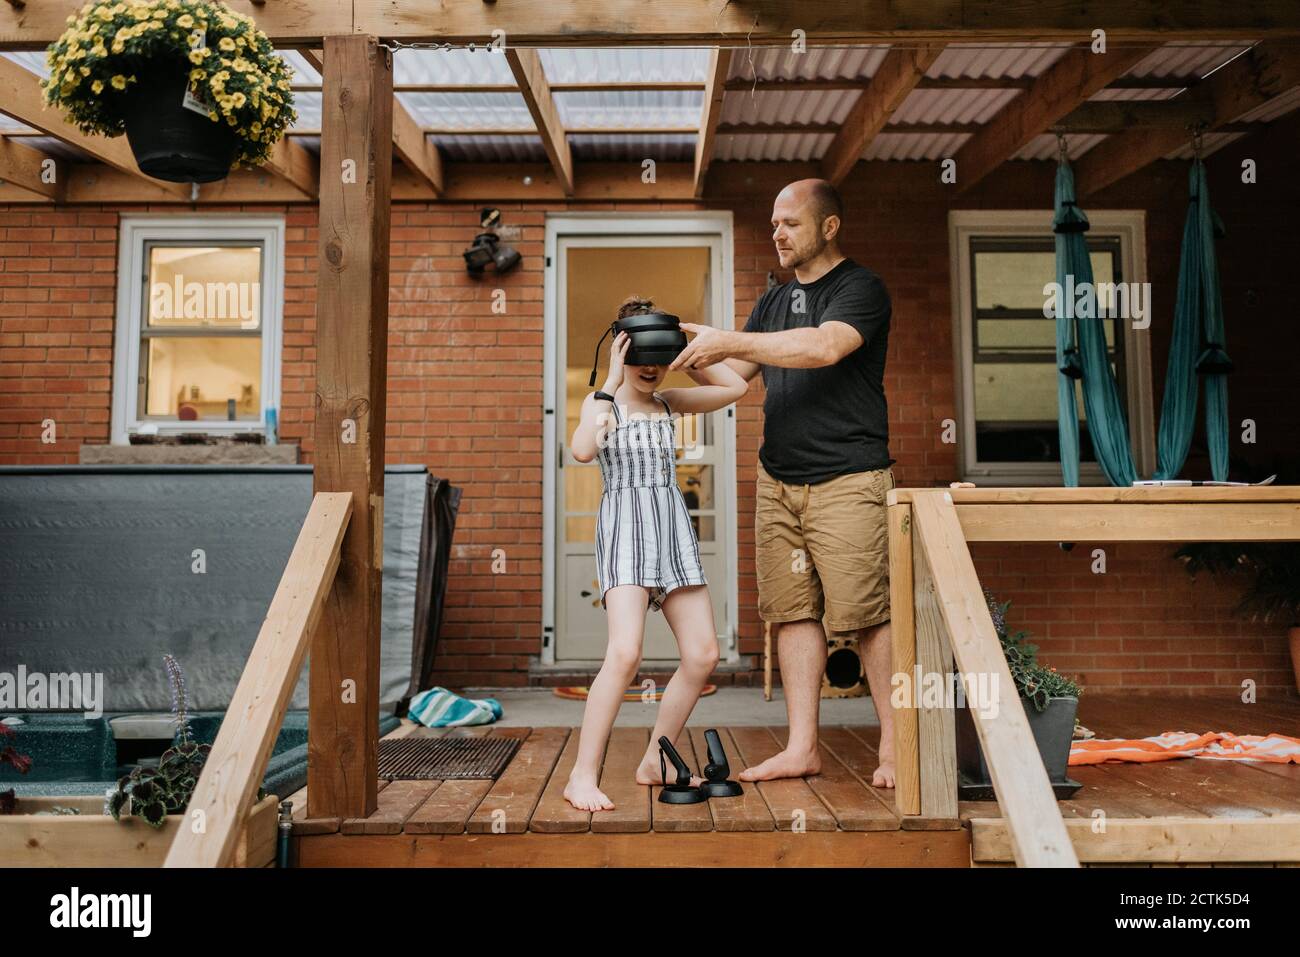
822, 550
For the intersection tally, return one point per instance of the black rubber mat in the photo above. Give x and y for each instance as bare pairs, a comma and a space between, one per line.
445, 759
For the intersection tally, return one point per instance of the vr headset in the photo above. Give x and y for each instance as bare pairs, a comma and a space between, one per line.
657, 339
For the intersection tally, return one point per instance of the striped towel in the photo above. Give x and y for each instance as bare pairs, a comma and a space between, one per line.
1220, 745
440, 708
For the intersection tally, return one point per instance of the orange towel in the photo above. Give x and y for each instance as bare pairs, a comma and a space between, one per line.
1221, 745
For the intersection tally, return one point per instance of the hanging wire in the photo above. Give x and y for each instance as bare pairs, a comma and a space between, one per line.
1062, 147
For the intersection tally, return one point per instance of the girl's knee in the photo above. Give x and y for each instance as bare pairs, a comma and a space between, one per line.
623, 657
701, 658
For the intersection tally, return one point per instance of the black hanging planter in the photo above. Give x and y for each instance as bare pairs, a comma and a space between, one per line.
171, 142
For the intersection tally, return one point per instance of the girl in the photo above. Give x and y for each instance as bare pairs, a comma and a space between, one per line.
647, 555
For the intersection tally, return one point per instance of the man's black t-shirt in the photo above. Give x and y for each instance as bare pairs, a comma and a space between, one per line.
820, 423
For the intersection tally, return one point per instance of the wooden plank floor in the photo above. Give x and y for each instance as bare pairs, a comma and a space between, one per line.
1182, 811
833, 818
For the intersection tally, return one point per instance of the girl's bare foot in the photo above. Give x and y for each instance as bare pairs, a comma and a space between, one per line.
648, 772
582, 793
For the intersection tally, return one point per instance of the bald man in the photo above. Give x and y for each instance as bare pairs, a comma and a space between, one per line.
821, 540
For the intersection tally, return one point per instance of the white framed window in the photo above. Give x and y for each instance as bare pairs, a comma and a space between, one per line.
198, 328
1004, 348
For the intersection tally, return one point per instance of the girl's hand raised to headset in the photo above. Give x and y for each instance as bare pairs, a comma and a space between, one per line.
617, 352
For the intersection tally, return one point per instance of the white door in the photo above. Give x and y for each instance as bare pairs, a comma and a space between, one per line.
591, 274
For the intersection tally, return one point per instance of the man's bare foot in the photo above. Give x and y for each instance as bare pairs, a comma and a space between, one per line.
583, 794
648, 772
883, 776
787, 764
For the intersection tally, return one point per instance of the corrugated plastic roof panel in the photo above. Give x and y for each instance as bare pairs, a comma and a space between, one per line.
479, 66
625, 65
491, 149
308, 107
953, 106
995, 61
1210, 143
794, 147
792, 106
660, 147
469, 111
817, 62
1274, 108
1044, 147
629, 108
1186, 59
914, 146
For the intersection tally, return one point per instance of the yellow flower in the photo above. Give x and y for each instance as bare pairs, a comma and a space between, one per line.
239, 100
85, 71
185, 20
159, 14
196, 75
197, 56
226, 44
118, 46
119, 82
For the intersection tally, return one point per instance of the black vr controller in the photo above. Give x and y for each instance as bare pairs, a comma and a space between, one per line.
657, 339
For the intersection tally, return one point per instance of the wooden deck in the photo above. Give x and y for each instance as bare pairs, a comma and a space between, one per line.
1177, 812
833, 819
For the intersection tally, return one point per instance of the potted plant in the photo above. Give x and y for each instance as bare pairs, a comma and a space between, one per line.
197, 88
1051, 703
1273, 589
10, 757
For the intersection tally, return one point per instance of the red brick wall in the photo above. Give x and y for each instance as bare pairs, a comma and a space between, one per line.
465, 390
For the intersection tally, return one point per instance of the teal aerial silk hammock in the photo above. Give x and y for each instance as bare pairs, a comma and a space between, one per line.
1197, 346
1081, 349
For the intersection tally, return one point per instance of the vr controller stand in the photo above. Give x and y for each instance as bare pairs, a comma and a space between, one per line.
682, 792
716, 772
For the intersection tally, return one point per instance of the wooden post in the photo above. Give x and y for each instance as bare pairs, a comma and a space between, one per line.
902, 630
351, 369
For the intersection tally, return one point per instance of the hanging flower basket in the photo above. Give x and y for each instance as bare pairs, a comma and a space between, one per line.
197, 89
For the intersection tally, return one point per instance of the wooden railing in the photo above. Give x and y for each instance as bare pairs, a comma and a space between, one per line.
228, 784
939, 613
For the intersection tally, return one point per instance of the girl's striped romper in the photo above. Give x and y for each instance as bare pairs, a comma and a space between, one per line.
643, 530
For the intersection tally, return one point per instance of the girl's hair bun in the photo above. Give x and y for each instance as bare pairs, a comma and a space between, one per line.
635, 305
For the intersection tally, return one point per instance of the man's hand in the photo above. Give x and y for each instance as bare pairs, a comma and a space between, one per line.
710, 345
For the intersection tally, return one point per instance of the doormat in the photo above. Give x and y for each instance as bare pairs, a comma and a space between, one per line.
445, 759
636, 693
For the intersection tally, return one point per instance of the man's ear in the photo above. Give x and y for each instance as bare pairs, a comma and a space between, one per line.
830, 227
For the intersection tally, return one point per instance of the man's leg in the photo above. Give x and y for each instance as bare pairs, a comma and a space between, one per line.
876, 651
801, 651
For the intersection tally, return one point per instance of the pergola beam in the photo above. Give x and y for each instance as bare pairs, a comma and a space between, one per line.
1249, 81
1063, 87
295, 165
573, 23
526, 65
21, 99
414, 148
893, 80
27, 168
714, 89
